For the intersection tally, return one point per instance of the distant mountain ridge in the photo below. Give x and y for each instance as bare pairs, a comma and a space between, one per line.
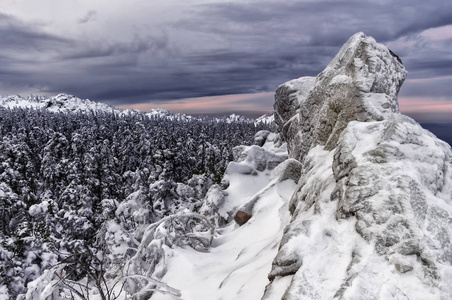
68, 103
58, 103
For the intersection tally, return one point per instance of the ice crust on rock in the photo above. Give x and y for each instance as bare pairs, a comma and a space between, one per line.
372, 212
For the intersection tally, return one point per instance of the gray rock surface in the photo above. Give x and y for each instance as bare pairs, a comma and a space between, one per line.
261, 137
289, 96
256, 158
288, 99
361, 83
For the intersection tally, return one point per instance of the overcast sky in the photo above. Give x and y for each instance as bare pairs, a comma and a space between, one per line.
187, 55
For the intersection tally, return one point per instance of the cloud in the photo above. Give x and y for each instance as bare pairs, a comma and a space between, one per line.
177, 50
89, 17
21, 36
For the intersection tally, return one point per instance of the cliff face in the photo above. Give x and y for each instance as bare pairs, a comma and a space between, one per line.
371, 217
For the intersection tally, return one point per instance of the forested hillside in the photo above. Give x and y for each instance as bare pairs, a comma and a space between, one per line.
64, 176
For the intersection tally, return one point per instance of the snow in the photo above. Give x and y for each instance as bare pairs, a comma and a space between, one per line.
59, 103
37, 209
235, 118
266, 119
365, 213
302, 86
237, 264
4, 295
341, 79
333, 257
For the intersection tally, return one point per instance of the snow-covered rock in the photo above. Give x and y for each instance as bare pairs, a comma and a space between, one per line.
361, 209
361, 83
260, 137
372, 213
288, 99
289, 96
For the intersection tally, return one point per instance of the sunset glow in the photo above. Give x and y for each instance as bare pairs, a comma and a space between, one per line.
259, 102
424, 105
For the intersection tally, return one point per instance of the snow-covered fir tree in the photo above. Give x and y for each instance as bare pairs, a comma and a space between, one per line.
90, 183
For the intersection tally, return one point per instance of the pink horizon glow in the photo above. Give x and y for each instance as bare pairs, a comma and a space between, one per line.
412, 104
211, 104
426, 109
425, 80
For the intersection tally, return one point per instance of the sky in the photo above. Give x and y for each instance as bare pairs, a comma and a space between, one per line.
214, 56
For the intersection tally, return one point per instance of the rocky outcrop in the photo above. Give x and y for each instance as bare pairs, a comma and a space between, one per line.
372, 213
361, 83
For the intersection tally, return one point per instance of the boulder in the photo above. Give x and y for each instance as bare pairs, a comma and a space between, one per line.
261, 137
241, 217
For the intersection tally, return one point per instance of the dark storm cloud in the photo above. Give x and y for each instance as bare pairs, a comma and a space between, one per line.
218, 49
289, 40
21, 57
426, 66
20, 36
137, 44
324, 22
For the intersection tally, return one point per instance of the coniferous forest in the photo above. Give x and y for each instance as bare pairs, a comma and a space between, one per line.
65, 176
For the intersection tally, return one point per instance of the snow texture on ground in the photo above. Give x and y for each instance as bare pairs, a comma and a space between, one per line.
237, 264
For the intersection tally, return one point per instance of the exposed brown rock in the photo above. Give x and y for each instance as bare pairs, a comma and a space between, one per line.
241, 217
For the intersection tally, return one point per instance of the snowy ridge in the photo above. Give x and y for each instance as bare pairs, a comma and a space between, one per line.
266, 119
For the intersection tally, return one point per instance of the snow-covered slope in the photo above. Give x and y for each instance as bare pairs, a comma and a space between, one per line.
239, 259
